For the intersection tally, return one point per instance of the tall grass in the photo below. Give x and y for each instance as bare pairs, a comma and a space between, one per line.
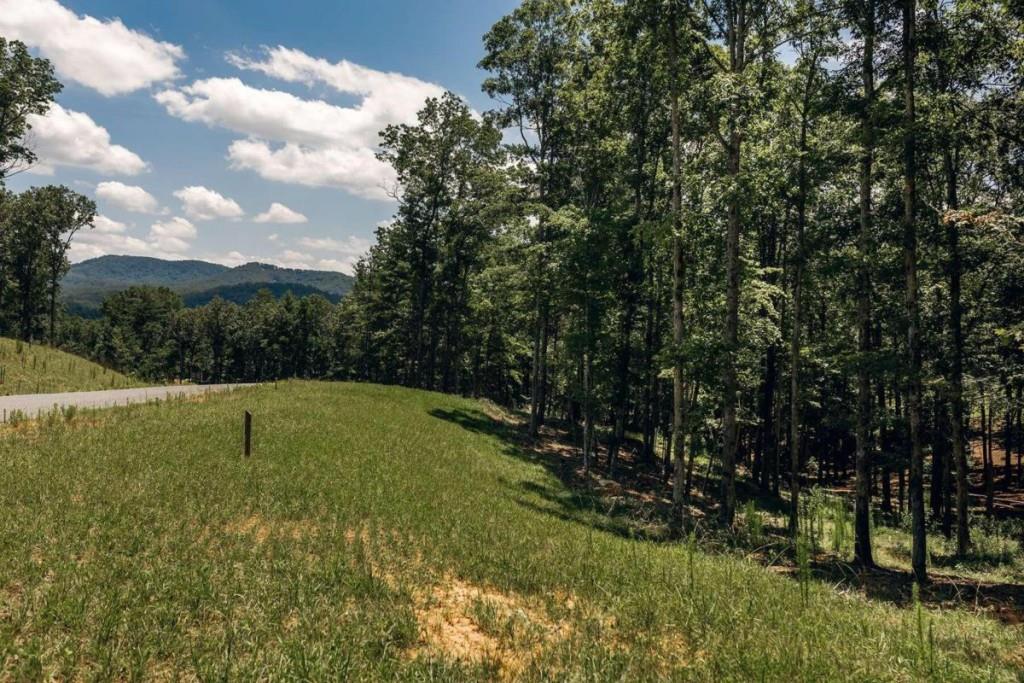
146, 547
38, 369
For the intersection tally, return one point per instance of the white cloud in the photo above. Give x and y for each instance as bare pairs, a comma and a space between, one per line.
168, 239
269, 114
279, 213
91, 244
232, 259
350, 246
348, 251
387, 96
203, 204
347, 267
293, 259
173, 235
104, 55
307, 142
288, 258
108, 226
62, 137
128, 197
356, 170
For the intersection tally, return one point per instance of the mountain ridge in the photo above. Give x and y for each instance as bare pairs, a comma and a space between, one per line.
89, 282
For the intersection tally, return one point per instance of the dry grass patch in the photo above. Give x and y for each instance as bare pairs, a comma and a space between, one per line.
261, 529
472, 624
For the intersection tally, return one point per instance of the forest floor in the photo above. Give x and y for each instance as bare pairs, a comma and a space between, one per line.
990, 580
380, 533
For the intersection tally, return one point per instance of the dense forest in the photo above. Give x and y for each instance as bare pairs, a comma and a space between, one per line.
785, 233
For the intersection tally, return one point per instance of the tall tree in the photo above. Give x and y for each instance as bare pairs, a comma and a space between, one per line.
528, 53
867, 16
27, 87
66, 212
913, 314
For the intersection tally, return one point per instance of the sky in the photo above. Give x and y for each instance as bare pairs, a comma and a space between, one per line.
236, 131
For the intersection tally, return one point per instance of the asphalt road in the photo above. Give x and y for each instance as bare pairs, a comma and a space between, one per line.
33, 405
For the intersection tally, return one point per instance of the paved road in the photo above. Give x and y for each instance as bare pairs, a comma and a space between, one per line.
34, 404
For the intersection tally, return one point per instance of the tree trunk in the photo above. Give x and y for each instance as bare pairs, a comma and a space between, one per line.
736, 36
939, 458
54, 288
794, 390
862, 515
901, 482
767, 431
538, 370
678, 283
1008, 440
986, 456
919, 549
956, 384
1020, 435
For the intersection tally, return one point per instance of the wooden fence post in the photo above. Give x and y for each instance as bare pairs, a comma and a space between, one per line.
248, 434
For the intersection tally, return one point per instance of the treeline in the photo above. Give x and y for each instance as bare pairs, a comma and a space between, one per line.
148, 332
36, 228
787, 233
37, 225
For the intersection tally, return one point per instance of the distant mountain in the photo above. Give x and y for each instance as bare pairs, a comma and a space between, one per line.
90, 282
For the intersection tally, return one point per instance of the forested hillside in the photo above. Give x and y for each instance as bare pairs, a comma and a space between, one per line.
88, 283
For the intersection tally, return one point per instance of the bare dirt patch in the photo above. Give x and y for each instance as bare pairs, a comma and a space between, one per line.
472, 624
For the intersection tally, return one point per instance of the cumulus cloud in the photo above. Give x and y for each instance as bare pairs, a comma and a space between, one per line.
168, 239
107, 226
128, 197
270, 114
173, 236
279, 213
204, 204
104, 55
345, 253
356, 170
307, 142
63, 137
387, 96
232, 259
94, 243
288, 258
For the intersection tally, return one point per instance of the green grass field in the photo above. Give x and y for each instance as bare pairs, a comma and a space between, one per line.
36, 369
383, 533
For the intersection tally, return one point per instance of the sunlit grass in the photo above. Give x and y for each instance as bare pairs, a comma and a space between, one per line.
39, 369
382, 533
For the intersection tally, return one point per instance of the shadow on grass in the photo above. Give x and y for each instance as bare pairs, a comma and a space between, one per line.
1004, 601
616, 507
636, 505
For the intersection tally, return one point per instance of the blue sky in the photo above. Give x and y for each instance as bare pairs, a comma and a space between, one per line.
236, 131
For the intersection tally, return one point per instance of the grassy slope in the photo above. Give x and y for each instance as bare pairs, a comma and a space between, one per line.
35, 369
138, 548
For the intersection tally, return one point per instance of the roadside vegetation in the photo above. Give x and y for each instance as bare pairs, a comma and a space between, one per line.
384, 532
38, 369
